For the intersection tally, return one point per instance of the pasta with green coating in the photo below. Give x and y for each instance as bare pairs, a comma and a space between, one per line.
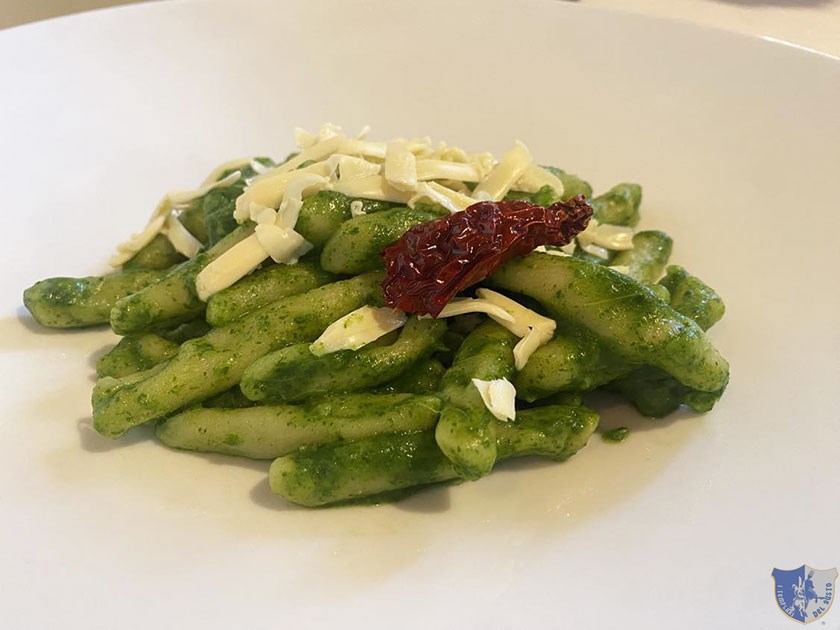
466, 430
80, 302
270, 431
355, 246
263, 287
626, 316
215, 362
294, 374
368, 468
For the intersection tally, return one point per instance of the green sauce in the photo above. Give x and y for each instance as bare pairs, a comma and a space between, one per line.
616, 435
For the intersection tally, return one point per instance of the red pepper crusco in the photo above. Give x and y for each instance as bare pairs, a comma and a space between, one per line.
433, 261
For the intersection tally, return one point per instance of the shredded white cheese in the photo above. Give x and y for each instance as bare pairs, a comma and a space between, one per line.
232, 165
363, 147
551, 252
180, 237
535, 177
464, 305
347, 167
499, 396
400, 167
533, 329
596, 250
400, 171
269, 191
500, 180
606, 236
238, 261
450, 199
171, 201
283, 244
442, 169
372, 187
301, 182
357, 208
357, 329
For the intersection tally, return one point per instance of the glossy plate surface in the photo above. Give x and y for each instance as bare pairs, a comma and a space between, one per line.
737, 144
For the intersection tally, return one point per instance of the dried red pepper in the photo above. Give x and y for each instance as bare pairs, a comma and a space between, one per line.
433, 261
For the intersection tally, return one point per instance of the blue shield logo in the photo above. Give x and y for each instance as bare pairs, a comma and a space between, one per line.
804, 594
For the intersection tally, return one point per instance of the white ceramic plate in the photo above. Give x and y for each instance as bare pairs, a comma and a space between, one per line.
737, 144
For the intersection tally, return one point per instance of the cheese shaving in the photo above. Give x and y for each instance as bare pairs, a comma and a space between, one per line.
551, 252
238, 261
232, 165
596, 250
317, 152
347, 167
268, 191
126, 250
509, 169
357, 329
465, 305
535, 177
451, 200
304, 139
400, 167
180, 237
499, 396
170, 201
532, 328
442, 169
293, 192
606, 236
363, 147
372, 187
283, 244
357, 208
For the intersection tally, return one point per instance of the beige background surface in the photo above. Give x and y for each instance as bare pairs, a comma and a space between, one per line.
15, 12
810, 23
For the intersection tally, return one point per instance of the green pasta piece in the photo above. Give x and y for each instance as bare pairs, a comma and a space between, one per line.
80, 302
232, 398
421, 378
186, 331
192, 218
572, 184
271, 431
294, 374
662, 293
466, 429
355, 246
217, 206
379, 465
656, 394
574, 360
135, 353
545, 196
262, 287
159, 253
623, 314
692, 297
570, 399
215, 362
172, 300
647, 260
321, 215
619, 205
